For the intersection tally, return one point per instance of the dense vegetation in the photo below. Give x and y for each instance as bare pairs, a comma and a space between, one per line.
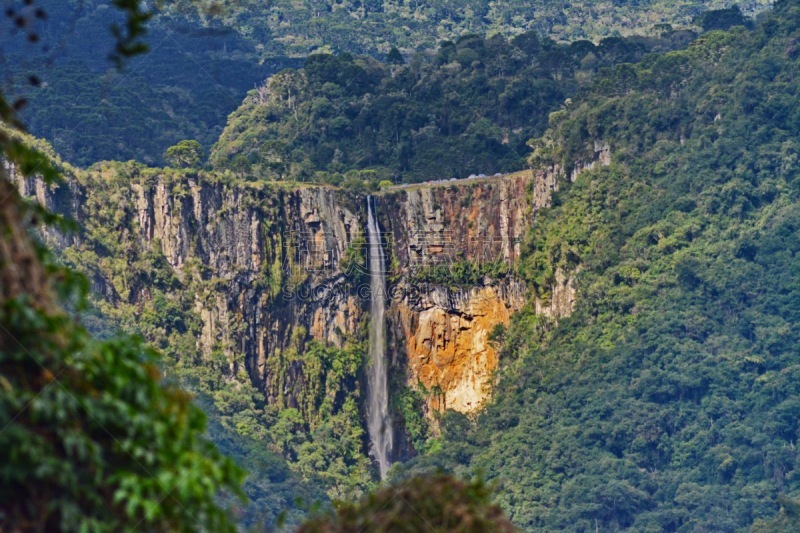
426, 505
460, 273
296, 28
184, 88
469, 108
669, 400
204, 57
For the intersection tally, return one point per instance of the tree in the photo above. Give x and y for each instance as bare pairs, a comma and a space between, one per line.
722, 19
425, 503
185, 154
788, 518
394, 57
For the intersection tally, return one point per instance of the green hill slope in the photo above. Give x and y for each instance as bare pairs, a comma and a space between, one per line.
289, 27
201, 64
184, 88
470, 108
669, 400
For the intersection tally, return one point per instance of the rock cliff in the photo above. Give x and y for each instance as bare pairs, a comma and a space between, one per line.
441, 331
267, 268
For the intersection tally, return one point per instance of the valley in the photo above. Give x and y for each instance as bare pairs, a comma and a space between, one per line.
602, 328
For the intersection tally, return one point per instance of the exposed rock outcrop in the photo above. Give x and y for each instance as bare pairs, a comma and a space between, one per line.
270, 267
442, 333
447, 340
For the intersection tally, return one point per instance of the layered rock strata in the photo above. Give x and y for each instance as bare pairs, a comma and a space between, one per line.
270, 267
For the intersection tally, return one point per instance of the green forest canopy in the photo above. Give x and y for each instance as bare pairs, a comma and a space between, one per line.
202, 63
373, 27
183, 88
669, 400
470, 108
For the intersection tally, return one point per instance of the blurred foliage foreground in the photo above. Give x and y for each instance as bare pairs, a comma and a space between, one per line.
90, 439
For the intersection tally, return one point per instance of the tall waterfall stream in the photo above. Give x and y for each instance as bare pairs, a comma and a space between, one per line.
379, 422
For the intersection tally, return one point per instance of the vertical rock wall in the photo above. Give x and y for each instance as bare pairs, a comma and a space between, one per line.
265, 267
441, 334
262, 263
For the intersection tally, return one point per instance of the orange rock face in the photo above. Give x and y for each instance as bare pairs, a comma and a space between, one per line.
449, 352
443, 333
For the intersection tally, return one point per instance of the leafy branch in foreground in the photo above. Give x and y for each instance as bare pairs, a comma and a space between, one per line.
91, 440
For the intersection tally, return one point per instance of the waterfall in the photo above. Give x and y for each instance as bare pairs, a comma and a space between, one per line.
379, 423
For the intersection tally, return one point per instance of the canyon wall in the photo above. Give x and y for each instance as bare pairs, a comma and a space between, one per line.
267, 268
262, 263
441, 331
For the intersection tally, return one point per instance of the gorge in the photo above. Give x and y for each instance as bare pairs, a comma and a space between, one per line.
319, 324
251, 277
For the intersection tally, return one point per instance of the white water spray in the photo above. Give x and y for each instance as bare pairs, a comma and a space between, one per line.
379, 422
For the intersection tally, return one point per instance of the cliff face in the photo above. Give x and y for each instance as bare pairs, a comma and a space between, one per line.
441, 333
444, 338
262, 263
266, 269
267, 263
480, 220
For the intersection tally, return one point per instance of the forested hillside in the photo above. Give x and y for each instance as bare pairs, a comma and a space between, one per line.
286, 27
669, 400
183, 88
470, 108
205, 56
